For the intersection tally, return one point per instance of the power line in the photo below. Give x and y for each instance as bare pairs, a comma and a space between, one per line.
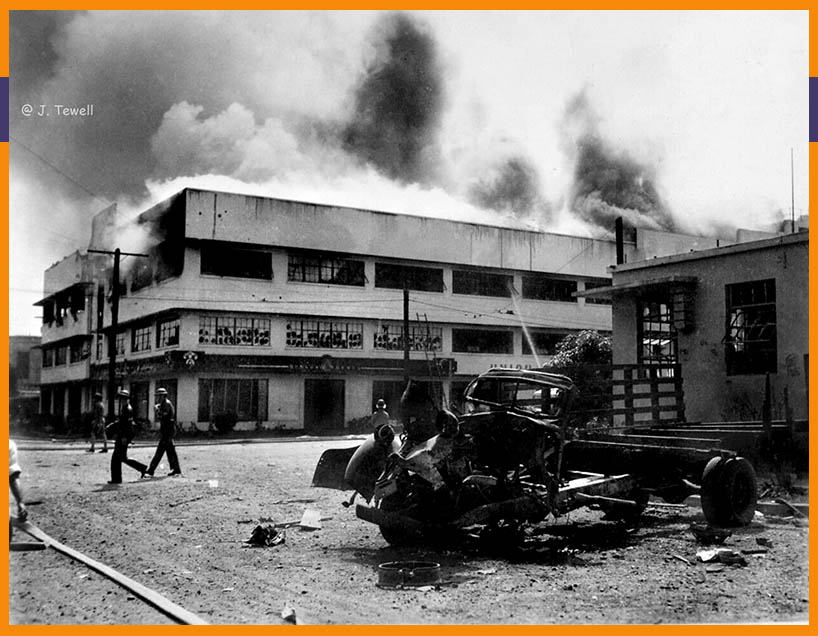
56, 169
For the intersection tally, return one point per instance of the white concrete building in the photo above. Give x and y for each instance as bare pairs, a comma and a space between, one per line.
289, 314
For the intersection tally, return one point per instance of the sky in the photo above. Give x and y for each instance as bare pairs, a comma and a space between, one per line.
559, 121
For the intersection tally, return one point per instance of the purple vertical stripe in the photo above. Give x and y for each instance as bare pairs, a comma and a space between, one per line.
813, 108
4, 105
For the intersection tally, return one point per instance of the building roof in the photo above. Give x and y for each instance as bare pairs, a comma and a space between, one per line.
716, 252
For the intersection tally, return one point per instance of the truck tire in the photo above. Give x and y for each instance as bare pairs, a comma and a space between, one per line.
729, 492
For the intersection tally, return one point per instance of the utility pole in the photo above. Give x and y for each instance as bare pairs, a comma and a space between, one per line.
112, 329
405, 331
792, 191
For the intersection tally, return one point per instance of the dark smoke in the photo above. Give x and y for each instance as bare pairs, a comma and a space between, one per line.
609, 183
514, 187
398, 104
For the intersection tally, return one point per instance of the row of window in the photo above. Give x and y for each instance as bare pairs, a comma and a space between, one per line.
219, 260
750, 339
61, 355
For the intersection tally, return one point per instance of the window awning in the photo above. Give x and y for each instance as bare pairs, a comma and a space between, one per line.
64, 293
670, 283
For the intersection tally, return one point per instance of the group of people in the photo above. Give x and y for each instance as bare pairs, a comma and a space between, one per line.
123, 431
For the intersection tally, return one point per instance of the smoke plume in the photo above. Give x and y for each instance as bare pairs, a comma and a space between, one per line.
398, 104
608, 183
512, 186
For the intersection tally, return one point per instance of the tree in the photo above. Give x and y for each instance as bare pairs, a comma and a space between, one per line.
586, 358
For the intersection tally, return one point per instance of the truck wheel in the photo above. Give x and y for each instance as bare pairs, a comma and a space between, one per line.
729, 492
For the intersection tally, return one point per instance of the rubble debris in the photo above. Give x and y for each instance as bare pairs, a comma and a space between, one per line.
714, 567
679, 557
795, 511
403, 574
758, 550
707, 534
288, 615
213, 483
266, 536
488, 571
310, 520
721, 555
764, 541
184, 501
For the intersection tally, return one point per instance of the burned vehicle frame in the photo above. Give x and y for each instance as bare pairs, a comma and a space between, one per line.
511, 459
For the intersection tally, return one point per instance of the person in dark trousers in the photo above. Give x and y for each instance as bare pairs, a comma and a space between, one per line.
98, 424
167, 428
124, 433
379, 417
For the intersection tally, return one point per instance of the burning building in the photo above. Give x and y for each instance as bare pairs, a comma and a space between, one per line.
289, 315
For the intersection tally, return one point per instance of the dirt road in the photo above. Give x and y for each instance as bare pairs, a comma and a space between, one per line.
185, 538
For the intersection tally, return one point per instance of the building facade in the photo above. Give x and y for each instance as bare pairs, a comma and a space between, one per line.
289, 315
729, 317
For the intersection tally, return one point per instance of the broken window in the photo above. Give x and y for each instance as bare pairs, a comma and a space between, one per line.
223, 260
544, 287
657, 338
751, 336
319, 334
60, 356
78, 351
480, 283
234, 331
324, 269
393, 276
167, 333
245, 398
482, 341
390, 338
48, 357
141, 339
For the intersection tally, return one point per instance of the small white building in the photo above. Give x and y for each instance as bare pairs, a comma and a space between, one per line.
289, 314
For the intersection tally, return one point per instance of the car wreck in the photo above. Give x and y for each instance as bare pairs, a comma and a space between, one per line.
511, 459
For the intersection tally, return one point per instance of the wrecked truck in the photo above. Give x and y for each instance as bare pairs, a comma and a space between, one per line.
510, 459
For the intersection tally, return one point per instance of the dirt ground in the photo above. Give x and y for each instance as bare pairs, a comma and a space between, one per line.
185, 538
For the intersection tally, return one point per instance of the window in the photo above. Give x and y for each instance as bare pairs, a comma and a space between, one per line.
324, 269
221, 260
60, 356
167, 333
48, 357
658, 344
596, 284
751, 339
542, 287
392, 276
319, 334
100, 353
79, 351
234, 331
245, 398
141, 339
479, 283
482, 341
120, 343
545, 342
390, 338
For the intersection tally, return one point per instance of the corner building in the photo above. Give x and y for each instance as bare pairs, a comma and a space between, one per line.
289, 315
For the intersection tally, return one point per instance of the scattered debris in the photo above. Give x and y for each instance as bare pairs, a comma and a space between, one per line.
227, 589
707, 534
403, 574
767, 543
721, 555
310, 520
184, 501
291, 501
149, 571
288, 615
266, 536
754, 550
795, 511
679, 557
213, 483
714, 567
488, 571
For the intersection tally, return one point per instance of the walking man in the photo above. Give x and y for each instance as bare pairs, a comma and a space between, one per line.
14, 485
166, 417
124, 432
98, 423
379, 417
